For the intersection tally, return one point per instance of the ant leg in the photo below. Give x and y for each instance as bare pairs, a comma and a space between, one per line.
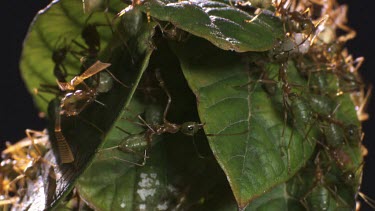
258, 12
122, 130
36, 92
12, 200
162, 85
91, 124
142, 124
351, 33
146, 124
65, 151
80, 46
358, 63
116, 79
127, 161
31, 137
232, 134
100, 103
48, 89
196, 150
106, 2
361, 112
7, 186
133, 120
322, 21
368, 200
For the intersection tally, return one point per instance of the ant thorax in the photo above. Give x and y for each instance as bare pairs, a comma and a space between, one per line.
74, 102
92, 38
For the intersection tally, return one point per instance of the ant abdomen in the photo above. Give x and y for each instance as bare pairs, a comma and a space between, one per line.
301, 110
334, 135
319, 198
323, 82
133, 143
105, 82
321, 104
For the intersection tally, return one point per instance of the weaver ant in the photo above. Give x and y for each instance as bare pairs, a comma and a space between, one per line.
156, 124
324, 191
22, 163
75, 101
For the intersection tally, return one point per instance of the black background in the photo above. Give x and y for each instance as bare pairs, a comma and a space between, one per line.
17, 112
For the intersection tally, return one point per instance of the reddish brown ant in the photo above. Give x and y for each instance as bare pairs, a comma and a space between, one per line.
74, 102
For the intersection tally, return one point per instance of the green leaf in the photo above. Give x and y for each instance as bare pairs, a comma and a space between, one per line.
277, 199
245, 124
44, 37
87, 131
181, 174
219, 23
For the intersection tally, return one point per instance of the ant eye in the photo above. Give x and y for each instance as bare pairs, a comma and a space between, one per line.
353, 134
189, 128
349, 177
352, 130
307, 27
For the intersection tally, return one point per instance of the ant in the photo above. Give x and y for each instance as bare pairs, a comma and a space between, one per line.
91, 37
353, 178
58, 57
187, 128
337, 19
75, 101
361, 100
156, 124
321, 194
171, 32
298, 29
22, 162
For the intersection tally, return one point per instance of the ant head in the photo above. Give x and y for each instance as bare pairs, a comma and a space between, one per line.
91, 36
59, 55
333, 50
349, 177
299, 23
353, 134
190, 128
